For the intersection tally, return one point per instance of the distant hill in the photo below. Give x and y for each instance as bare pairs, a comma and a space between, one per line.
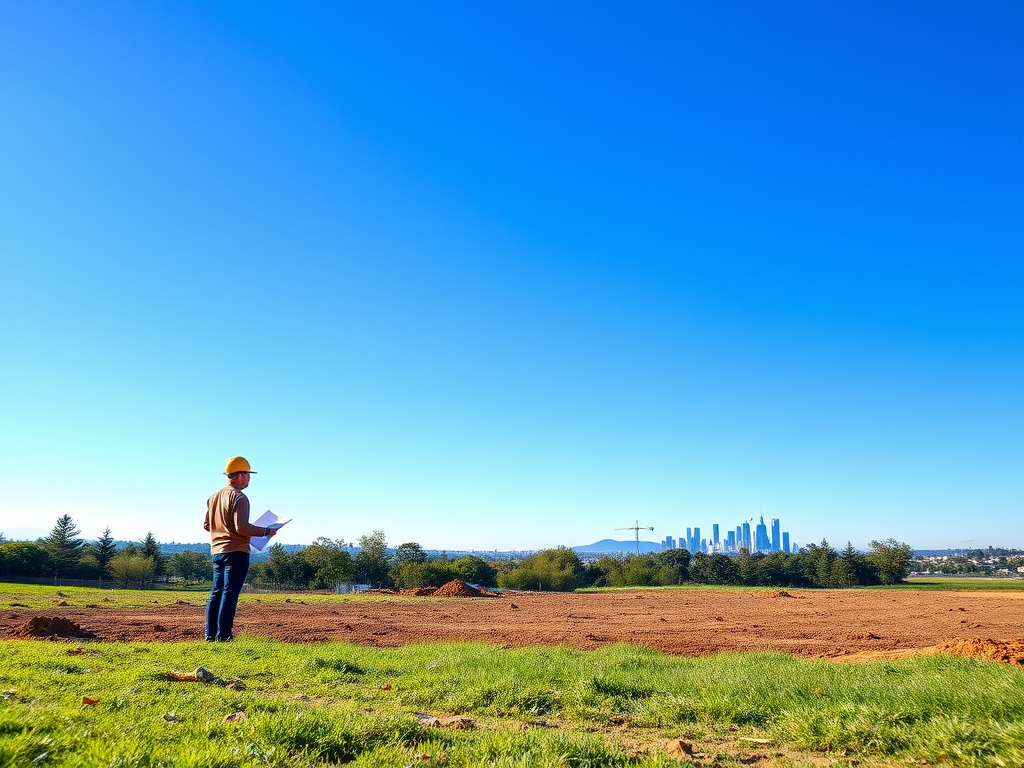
610, 545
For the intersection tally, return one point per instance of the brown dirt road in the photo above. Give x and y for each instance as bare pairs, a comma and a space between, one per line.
810, 623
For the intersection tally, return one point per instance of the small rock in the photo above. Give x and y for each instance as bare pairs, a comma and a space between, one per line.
458, 722
204, 675
170, 717
236, 717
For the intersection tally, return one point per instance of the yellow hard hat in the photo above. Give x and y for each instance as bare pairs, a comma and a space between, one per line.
238, 464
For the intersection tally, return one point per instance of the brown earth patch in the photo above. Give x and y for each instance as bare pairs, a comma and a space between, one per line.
55, 626
458, 588
847, 625
1006, 651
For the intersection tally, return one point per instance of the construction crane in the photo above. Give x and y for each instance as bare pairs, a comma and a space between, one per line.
636, 528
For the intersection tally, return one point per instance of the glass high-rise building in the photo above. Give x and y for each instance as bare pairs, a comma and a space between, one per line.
761, 543
776, 540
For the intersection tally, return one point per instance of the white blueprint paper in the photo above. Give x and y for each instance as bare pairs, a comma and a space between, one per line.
267, 520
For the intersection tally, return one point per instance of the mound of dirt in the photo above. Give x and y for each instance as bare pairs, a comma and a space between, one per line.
45, 626
774, 593
418, 592
458, 588
1006, 651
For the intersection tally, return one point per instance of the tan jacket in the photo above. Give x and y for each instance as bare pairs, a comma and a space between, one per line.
227, 520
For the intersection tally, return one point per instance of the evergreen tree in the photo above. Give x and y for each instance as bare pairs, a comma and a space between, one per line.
104, 549
64, 547
151, 549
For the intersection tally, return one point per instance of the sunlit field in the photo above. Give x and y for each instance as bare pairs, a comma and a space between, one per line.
467, 704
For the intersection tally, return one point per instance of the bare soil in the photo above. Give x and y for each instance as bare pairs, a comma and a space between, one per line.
833, 624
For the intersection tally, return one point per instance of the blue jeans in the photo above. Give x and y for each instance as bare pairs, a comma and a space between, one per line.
229, 570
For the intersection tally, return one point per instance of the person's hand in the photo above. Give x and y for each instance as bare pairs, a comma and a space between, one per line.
271, 532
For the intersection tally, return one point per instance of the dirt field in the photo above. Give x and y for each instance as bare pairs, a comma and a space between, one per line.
834, 624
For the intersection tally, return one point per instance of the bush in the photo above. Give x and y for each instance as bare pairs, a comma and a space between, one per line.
190, 566
24, 558
559, 570
126, 567
475, 571
432, 573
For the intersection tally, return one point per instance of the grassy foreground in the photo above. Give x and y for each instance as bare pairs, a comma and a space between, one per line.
326, 704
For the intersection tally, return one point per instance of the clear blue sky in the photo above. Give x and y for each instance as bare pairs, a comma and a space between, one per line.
513, 275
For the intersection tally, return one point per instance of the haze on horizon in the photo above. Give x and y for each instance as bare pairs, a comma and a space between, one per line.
508, 276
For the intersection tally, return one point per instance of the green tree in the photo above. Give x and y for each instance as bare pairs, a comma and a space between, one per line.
150, 548
475, 570
890, 560
714, 569
817, 563
190, 566
24, 558
674, 566
410, 552
285, 569
104, 548
64, 546
371, 562
125, 567
559, 570
746, 567
851, 569
432, 573
331, 563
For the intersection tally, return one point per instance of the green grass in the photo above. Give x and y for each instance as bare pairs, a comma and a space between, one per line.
335, 703
941, 583
924, 583
40, 597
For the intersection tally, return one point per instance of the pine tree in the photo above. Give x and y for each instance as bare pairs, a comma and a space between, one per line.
151, 549
104, 549
64, 547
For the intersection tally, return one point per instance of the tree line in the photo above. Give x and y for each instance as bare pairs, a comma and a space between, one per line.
816, 565
62, 554
327, 563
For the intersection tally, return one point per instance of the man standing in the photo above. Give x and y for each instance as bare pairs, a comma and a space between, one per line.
227, 520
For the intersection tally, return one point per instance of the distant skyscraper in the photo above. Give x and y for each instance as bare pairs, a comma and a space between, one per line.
761, 543
730, 541
714, 534
696, 541
746, 537
776, 542
785, 541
